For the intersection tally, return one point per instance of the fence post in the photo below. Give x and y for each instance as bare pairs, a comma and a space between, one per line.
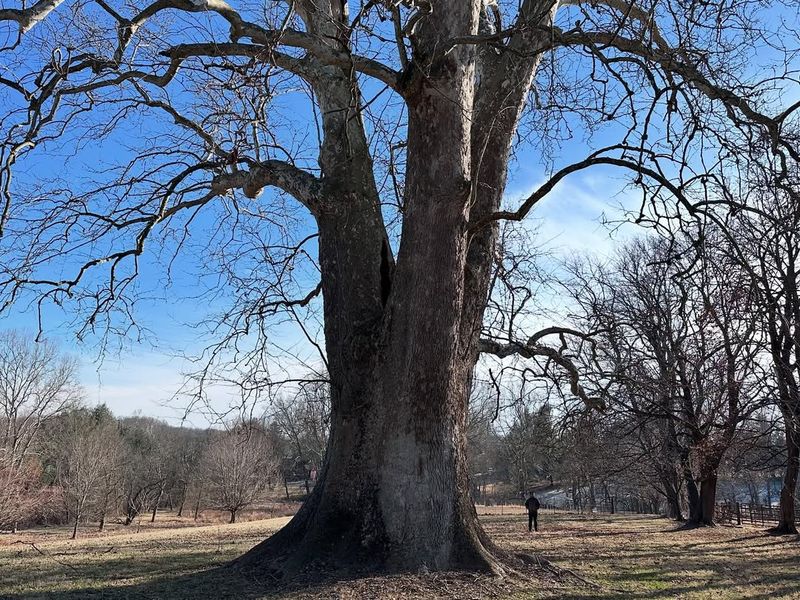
738, 514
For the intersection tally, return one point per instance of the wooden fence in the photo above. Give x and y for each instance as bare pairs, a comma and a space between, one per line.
733, 513
739, 513
610, 506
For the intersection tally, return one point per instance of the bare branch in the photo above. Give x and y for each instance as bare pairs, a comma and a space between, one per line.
530, 350
27, 18
298, 183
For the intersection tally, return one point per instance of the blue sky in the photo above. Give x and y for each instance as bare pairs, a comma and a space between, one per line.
144, 374
143, 377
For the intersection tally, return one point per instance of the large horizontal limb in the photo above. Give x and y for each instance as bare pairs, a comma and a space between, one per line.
300, 184
268, 39
532, 349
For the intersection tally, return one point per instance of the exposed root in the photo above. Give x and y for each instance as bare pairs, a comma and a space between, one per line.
560, 573
689, 525
785, 529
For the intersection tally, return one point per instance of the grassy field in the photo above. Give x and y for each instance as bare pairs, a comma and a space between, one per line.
603, 557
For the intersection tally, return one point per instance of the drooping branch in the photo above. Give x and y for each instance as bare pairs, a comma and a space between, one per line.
307, 67
532, 349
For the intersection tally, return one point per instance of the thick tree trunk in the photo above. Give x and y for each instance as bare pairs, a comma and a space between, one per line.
671, 493
233, 517
674, 509
394, 492
787, 522
783, 340
156, 503
702, 505
708, 500
401, 339
183, 499
692, 497
75, 526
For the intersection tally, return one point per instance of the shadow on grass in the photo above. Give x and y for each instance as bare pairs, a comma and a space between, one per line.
224, 583
219, 583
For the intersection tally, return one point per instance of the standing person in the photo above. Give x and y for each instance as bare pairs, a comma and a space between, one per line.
532, 504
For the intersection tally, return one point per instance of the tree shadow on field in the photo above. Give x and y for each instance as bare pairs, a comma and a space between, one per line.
228, 584
220, 583
213, 583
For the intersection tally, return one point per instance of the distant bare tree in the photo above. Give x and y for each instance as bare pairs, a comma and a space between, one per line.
237, 467
90, 468
680, 349
37, 383
527, 446
765, 245
143, 474
304, 420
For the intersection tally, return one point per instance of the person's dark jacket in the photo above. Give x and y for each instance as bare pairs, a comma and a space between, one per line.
532, 504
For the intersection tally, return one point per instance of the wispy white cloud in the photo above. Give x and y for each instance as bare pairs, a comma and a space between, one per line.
583, 215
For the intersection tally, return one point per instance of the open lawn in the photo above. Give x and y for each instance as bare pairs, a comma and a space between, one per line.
603, 557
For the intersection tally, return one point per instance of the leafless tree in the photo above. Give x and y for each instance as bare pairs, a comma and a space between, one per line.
681, 348
236, 468
37, 383
304, 420
765, 244
23, 496
90, 467
528, 445
144, 471
403, 221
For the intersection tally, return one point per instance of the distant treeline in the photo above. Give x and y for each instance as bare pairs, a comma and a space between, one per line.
61, 461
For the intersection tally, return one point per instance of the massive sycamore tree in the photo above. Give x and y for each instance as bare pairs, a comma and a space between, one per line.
416, 106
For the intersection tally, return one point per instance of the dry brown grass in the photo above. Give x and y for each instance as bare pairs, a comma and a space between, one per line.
619, 557
644, 557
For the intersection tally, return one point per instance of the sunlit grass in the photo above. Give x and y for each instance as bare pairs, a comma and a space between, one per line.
618, 557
